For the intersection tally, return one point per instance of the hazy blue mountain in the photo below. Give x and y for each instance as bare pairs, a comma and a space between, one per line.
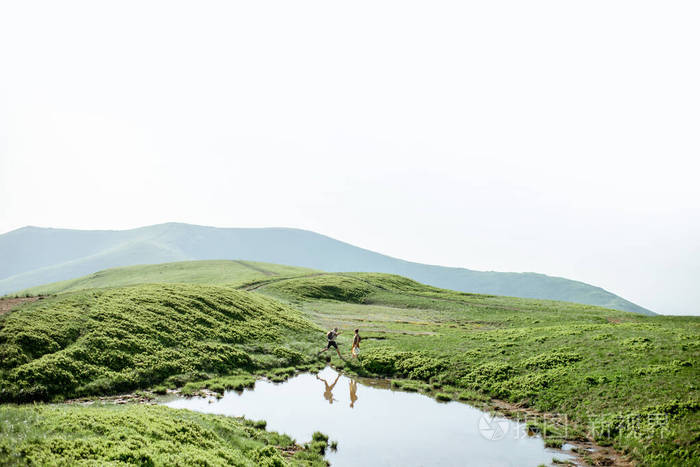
32, 256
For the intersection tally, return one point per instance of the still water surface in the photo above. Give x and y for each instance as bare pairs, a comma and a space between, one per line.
376, 426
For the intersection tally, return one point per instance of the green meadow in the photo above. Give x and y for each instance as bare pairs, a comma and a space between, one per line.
213, 272
620, 379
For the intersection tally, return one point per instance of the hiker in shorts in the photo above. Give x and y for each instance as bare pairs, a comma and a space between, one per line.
356, 343
331, 341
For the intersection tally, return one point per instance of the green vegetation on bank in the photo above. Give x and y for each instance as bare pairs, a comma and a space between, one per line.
142, 435
624, 379
106, 341
214, 272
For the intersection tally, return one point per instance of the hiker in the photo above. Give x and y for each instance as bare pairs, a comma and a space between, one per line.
355, 343
331, 341
328, 393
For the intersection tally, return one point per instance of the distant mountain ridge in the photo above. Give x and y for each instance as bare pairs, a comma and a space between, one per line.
33, 256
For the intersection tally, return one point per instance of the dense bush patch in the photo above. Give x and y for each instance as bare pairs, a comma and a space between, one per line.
114, 340
552, 359
138, 434
412, 365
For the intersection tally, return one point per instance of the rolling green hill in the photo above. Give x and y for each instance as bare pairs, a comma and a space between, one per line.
33, 256
222, 272
104, 341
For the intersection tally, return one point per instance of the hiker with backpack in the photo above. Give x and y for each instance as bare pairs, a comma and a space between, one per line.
332, 334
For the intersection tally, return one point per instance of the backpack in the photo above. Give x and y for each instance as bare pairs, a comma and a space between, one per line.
330, 335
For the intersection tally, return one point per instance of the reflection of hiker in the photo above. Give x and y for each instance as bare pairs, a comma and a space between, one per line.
331, 341
353, 393
356, 343
328, 393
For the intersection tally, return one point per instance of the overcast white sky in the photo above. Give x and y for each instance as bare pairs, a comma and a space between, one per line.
550, 136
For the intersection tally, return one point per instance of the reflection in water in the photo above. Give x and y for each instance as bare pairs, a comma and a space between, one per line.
389, 428
328, 393
353, 393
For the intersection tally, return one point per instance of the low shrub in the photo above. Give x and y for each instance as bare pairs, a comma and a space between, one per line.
551, 360
413, 365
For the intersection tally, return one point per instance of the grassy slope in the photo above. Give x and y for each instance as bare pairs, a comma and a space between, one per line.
142, 435
103, 341
194, 272
579, 360
604, 369
34, 256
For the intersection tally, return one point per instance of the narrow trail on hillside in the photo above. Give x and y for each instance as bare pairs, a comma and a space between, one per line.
255, 268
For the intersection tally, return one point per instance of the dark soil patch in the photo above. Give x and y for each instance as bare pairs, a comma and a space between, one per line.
9, 304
